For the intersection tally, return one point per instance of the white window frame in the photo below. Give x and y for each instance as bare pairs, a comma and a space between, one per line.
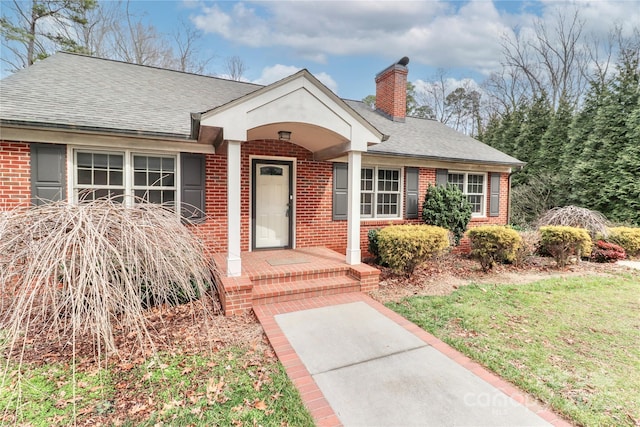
483, 203
72, 172
375, 192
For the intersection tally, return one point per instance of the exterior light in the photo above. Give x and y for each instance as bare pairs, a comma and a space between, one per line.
284, 135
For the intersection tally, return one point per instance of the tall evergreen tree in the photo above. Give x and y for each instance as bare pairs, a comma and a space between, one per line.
552, 146
598, 185
528, 142
574, 160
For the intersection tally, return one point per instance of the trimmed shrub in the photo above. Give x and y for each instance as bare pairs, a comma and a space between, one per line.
562, 242
404, 247
628, 238
491, 244
447, 207
607, 252
373, 243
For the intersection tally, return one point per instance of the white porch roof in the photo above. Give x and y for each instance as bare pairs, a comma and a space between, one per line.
317, 118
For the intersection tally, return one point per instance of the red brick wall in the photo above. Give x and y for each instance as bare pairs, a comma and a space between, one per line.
391, 91
314, 224
15, 176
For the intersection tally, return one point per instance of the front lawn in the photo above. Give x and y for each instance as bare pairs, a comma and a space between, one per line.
572, 342
237, 386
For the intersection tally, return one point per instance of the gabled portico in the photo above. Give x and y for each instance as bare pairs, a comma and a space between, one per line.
317, 120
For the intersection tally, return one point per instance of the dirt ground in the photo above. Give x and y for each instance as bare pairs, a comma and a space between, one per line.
446, 274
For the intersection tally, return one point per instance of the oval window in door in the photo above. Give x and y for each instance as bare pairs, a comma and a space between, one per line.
271, 170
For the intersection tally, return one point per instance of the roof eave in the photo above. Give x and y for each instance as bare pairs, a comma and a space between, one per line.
93, 129
449, 159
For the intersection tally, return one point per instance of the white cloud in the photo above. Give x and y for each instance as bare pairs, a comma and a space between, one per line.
436, 33
278, 72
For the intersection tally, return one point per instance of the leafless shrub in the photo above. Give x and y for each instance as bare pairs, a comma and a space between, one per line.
528, 247
573, 216
88, 268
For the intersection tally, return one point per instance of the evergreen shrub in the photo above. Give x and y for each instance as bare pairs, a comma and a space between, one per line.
607, 252
447, 207
627, 237
491, 244
404, 247
562, 242
373, 243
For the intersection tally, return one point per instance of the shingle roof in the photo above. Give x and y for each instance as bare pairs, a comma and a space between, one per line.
76, 90
429, 139
84, 92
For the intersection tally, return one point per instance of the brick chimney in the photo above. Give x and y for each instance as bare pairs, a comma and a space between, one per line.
391, 90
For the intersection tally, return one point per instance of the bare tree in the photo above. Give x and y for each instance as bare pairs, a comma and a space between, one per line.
553, 61
188, 55
234, 68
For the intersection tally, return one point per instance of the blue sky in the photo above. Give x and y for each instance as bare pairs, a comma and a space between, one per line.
345, 43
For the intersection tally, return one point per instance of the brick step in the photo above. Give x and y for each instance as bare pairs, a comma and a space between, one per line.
301, 289
298, 276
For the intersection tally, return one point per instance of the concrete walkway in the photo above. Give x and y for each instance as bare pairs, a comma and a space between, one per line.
357, 363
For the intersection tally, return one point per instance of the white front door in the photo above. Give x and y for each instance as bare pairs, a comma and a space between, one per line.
272, 204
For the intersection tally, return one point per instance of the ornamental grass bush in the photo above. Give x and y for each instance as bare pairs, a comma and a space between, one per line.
607, 252
628, 238
404, 247
561, 242
91, 268
491, 244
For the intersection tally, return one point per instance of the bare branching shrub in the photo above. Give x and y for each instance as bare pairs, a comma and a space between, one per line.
573, 216
88, 268
530, 243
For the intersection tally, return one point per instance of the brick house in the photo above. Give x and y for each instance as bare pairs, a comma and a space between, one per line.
284, 166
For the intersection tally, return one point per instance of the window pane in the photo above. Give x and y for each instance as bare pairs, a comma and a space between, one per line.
168, 196
115, 162
153, 179
115, 177
153, 163
140, 178
142, 194
85, 160
100, 177
84, 176
155, 196
167, 164
100, 160
139, 162
168, 179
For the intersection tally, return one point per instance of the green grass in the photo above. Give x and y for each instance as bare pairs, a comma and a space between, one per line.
233, 387
574, 343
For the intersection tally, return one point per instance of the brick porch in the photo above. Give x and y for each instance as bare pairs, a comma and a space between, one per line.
287, 275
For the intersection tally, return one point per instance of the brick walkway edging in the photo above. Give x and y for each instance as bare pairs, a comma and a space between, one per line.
313, 398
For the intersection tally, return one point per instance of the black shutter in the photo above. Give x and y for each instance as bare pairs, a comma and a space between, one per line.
340, 193
412, 185
47, 173
494, 204
193, 186
442, 177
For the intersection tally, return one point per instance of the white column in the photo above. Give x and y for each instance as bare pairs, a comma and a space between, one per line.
353, 214
234, 263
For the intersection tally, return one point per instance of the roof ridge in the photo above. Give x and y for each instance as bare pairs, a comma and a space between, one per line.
117, 61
